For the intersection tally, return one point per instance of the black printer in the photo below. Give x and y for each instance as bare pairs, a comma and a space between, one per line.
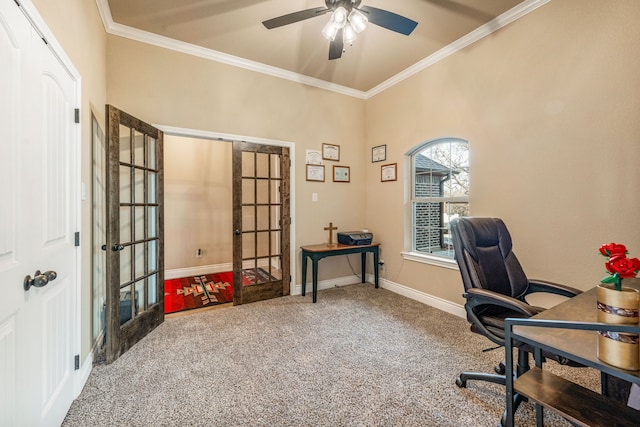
355, 238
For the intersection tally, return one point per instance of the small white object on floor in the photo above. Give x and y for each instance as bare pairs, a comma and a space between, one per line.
634, 397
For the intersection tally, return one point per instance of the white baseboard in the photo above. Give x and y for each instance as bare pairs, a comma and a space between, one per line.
433, 301
196, 271
82, 375
326, 284
208, 269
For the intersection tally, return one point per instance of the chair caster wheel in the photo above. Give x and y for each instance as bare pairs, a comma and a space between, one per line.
500, 369
461, 383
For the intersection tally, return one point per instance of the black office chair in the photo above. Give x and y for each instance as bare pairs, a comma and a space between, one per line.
495, 288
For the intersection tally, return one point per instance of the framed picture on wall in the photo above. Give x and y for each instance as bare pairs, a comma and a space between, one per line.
379, 153
341, 174
315, 173
389, 172
331, 152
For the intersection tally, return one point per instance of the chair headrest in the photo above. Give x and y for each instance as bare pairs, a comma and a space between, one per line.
477, 232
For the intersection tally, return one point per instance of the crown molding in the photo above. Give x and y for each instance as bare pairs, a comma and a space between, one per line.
142, 36
492, 26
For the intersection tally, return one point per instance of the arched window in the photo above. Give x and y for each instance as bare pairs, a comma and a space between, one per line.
439, 192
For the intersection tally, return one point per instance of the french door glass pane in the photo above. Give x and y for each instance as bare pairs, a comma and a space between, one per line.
139, 149
263, 244
248, 218
139, 260
140, 296
152, 230
248, 246
263, 217
263, 191
248, 191
152, 260
152, 288
248, 167
126, 272
152, 178
126, 304
139, 183
151, 152
125, 184
262, 165
125, 144
125, 224
139, 222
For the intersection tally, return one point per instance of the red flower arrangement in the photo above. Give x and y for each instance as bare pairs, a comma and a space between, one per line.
619, 266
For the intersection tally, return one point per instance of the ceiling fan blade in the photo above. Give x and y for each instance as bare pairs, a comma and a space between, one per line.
336, 46
294, 17
389, 20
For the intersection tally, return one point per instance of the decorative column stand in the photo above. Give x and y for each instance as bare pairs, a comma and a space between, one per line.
618, 307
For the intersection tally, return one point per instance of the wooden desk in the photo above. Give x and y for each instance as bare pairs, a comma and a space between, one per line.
569, 330
317, 252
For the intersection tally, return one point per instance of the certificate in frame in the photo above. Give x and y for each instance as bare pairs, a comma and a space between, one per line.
379, 153
331, 152
315, 173
389, 172
341, 174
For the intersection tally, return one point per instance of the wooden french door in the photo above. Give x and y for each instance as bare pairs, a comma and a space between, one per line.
261, 222
135, 237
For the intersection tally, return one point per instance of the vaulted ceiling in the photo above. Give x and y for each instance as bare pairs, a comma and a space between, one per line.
234, 27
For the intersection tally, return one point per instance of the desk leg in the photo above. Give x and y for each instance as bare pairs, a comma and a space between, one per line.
314, 268
304, 273
363, 258
376, 267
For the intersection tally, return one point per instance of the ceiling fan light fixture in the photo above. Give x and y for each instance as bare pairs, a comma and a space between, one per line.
349, 34
330, 31
358, 20
339, 17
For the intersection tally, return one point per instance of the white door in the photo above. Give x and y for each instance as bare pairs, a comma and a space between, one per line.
38, 204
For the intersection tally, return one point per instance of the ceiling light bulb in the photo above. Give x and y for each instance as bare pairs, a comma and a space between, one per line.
349, 35
358, 20
330, 31
339, 17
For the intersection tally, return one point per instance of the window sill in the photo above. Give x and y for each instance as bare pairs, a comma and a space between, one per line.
431, 260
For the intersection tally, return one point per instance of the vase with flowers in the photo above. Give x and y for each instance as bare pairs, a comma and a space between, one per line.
617, 304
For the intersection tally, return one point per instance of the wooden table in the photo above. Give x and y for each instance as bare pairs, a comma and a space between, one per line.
317, 252
569, 330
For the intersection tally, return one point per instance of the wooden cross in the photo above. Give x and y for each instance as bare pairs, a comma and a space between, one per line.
331, 228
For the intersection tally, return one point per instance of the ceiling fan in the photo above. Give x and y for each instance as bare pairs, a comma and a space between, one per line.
347, 19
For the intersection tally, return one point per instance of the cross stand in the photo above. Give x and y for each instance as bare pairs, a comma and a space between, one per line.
330, 228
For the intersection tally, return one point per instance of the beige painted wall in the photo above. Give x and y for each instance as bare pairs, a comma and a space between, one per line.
78, 28
173, 89
549, 105
198, 202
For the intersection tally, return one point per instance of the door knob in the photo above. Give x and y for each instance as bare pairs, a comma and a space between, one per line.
115, 248
39, 280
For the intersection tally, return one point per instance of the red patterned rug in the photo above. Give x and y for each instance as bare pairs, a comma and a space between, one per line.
187, 293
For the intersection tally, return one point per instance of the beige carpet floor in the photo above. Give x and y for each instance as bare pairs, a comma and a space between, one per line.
360, 356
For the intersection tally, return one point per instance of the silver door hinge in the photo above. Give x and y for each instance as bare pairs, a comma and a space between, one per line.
76, 362
76, 115
76, 239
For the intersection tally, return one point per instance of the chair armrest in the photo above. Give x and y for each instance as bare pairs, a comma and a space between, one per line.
478, 297
536, 285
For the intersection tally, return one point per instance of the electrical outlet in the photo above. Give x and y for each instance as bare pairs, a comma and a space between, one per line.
314, 197
198, 253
